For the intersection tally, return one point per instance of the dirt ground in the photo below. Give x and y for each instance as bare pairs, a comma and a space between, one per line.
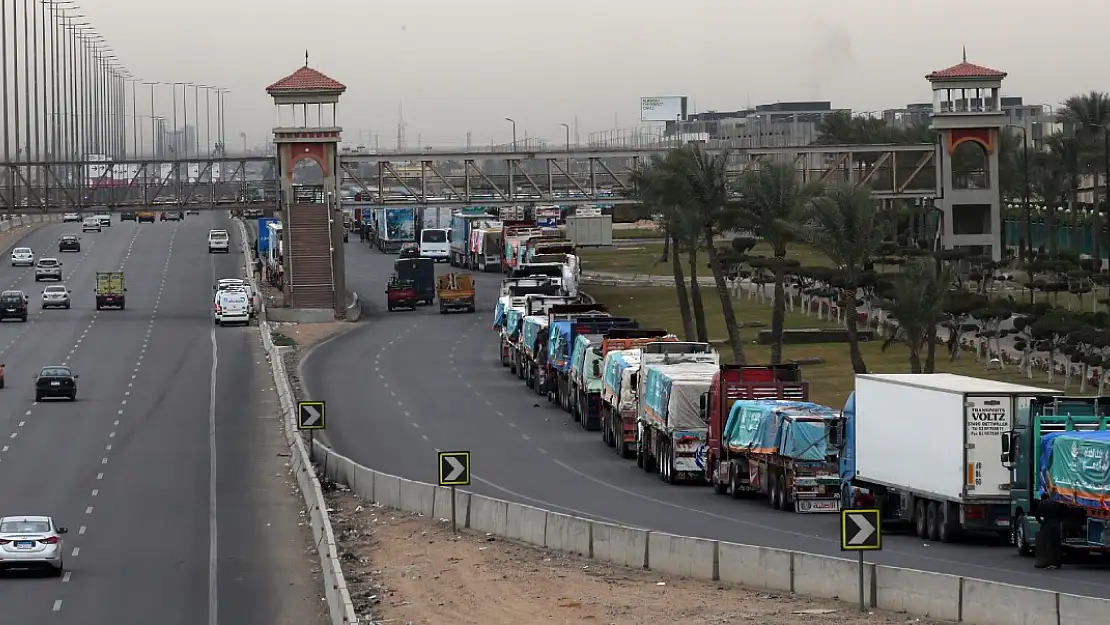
307, 334
403, 568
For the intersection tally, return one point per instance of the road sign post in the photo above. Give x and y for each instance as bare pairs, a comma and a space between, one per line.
454, 470
311, 417
861, 530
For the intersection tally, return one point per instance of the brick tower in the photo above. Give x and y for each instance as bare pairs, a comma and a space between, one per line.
307, 129
967, 108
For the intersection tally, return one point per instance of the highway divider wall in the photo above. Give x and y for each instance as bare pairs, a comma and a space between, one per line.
921, 593
19, 221
340, 608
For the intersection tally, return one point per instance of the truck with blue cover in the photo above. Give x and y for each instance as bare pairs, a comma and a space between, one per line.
585, 381
672, 432
565, 313
620, 350
1060, 447
924, 449
784, 449
532, 337
564, 328
512, 296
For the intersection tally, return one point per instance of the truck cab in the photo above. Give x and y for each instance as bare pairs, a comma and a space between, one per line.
1024, 454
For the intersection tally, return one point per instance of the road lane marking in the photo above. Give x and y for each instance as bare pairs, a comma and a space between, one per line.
57, 605
213, 525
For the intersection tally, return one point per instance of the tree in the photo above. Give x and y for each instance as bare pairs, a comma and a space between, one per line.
846, 224
772, 200
916, 301
1049, 182
1088, 116
698, 183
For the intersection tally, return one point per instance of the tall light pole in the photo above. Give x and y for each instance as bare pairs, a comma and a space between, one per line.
173, 86
513, 122
207, 118
153, 117
1025, 193
566, 127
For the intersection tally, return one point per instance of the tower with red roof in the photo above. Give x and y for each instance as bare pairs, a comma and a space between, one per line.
967, 114
312, 235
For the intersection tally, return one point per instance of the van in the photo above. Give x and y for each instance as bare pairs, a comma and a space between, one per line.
231, 307
435, 244
219, 241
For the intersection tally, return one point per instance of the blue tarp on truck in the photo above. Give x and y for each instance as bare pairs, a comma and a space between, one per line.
1075, 468
563, 332
793, 429
534, 326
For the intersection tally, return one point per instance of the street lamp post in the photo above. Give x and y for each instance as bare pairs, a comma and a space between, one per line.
513, 122
566, 127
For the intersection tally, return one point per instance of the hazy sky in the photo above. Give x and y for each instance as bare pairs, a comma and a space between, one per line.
465, 66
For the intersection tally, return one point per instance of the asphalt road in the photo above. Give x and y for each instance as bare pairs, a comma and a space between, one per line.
168, 519
379, 380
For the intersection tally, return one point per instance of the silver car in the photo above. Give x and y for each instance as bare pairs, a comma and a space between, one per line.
48, 269
31, 542
55, 296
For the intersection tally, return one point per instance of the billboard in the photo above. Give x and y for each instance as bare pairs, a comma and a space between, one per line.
663, 108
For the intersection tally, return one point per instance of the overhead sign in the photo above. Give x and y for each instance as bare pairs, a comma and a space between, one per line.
860, 530
663, 109
310, 415
454, 468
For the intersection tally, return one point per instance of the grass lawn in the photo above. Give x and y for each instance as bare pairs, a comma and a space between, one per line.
830, 382
643, 260
637, 233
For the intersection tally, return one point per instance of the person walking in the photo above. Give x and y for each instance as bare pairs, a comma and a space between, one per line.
1050, 536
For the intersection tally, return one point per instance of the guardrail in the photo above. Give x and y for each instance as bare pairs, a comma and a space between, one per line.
921, 593
340, 608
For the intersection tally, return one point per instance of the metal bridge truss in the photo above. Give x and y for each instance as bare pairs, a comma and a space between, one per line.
602, 176
37, 187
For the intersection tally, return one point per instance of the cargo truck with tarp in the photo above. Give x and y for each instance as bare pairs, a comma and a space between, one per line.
563, 329
924, 449
620, 351
1060, 446
784, 449
484, 248
513, 239
531, 336
672, 433
462, 226
585, 381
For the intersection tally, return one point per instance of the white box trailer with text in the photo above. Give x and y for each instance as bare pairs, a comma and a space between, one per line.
928, 449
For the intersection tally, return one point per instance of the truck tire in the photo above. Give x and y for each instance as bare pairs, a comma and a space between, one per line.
933, 520
715, 480
920, 518
1021, 541
773, 492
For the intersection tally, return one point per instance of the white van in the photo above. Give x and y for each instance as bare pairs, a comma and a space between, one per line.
435, 244
238, 284
219, 241
231, 307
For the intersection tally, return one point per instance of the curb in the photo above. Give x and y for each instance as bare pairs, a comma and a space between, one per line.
340, 608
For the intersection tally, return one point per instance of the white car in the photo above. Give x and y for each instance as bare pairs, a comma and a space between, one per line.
231, 306
55, 296
32, 542
23, 256
238, 284
48, 269
71, 218
219, 241
105, 220
91, 224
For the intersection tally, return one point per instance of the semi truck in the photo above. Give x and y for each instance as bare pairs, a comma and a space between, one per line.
620, 352
484, 247
461, 226
564, 326
1060, 446
672, 434
786, 450
924, 449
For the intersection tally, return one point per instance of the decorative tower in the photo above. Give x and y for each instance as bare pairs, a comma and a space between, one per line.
967, 113
307, 130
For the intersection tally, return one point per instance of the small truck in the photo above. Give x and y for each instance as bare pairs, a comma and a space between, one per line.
110, 290
455, 292
400, 293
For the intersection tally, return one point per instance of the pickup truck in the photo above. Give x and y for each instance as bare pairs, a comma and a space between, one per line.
110, 290
455, 292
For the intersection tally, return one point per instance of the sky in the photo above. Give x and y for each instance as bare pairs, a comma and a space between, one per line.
459, 67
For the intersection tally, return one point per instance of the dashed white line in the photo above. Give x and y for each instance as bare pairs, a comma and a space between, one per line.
57, 605
76, 552
89, 510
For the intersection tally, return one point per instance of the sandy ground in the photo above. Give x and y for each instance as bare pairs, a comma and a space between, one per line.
308, 334
404, 569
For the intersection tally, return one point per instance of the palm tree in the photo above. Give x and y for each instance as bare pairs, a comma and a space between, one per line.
650, 185
916, 301
773, 198
699, 184
1068, 150
1050, 184
1088, 116
847, 225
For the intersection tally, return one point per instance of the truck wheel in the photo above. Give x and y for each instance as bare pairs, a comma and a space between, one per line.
933, 519
920, 512
734, 484
1024, 549
715, 480
773, 492
949, 529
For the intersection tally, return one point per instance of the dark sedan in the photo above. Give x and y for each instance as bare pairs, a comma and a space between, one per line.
69, 243
56, 381
127, 216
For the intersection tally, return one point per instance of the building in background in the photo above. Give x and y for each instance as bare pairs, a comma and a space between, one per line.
179, 144
767, 125
1038, 120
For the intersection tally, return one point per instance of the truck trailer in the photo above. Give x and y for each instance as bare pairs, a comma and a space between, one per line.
620, 351
786, 450
926, 449
563, 333
585, 381
672, 433
1060, 446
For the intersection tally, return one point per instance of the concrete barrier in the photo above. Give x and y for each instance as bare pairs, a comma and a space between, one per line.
489, 515
755, 567
387, 490
526, 524
830, 578
442, 506
992, 603
570, 534
623, 546
934, 595
417, 497
1076, 610
683, 555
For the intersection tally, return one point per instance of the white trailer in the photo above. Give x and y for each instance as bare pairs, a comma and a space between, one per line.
927, 449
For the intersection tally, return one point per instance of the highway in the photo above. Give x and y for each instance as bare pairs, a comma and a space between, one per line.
165, 470
407, 383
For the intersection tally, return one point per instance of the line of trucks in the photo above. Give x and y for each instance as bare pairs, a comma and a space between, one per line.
940, 454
